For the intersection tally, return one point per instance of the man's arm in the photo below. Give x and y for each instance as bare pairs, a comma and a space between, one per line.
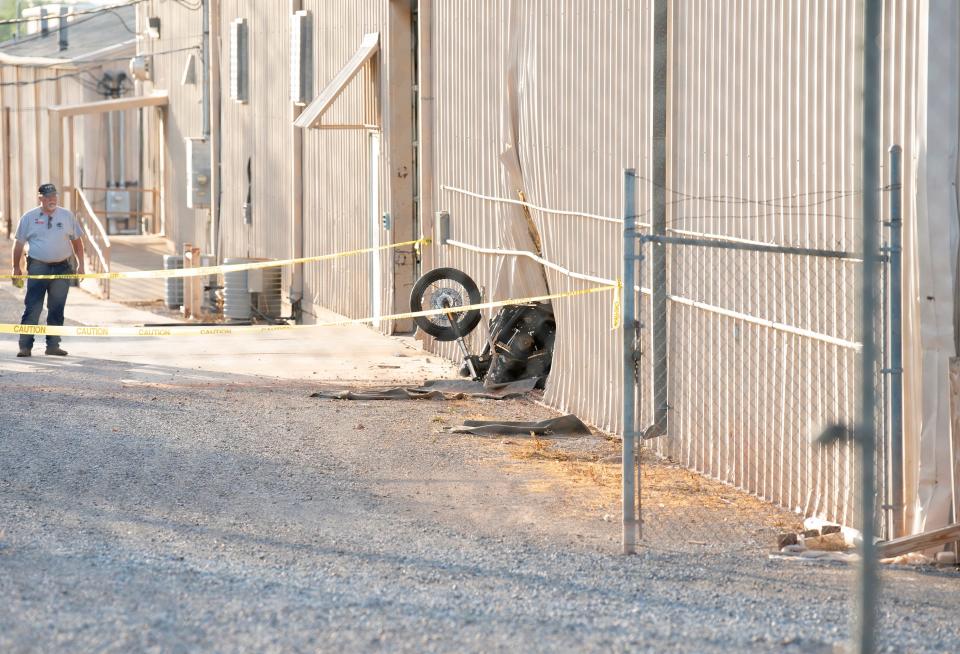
78, 250
17, 256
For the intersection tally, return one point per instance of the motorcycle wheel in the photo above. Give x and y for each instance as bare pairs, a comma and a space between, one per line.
445, 288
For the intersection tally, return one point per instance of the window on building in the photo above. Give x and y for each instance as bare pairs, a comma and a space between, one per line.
301, 58
239, 60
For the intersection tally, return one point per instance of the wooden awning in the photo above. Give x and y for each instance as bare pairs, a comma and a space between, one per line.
159, 99
313, 115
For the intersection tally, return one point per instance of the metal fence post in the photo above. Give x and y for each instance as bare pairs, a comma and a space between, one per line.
896, 338
865, 609
658, 192
629, 326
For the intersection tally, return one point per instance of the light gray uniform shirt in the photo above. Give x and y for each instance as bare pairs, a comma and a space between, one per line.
49, 236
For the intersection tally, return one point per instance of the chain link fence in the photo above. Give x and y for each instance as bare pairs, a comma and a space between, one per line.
758, 357
745, 364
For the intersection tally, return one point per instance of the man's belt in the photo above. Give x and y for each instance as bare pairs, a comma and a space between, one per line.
49, 263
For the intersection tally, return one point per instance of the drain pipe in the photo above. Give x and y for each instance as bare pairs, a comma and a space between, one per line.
111, 173
121, 154
296, 199
211, 90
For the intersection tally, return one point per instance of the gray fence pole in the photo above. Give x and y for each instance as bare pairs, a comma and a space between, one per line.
865, 610
896, 338
629, 326
661, 379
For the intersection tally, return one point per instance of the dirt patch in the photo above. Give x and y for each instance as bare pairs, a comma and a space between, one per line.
680, 507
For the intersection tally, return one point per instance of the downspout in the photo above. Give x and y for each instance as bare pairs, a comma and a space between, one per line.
205, 54
296, 199
211, 71
121, 150
427, 182
140, 205
110, 146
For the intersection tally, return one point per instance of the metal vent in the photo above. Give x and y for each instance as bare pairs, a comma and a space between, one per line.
239, 60
301, 58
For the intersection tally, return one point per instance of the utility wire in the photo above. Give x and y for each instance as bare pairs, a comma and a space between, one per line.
192, 7
41, 35
81, 12
92, 64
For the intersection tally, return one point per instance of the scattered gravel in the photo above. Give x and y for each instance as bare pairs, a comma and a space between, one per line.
146, 509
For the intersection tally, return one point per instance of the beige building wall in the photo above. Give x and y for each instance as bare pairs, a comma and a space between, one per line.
26, 159
566, 86
345, 192
181, 35
764, 145
259, 132
551, 100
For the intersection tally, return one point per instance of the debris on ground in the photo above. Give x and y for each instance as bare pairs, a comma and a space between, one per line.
913, 558
568, 425
920, 542
824, 541
438, 389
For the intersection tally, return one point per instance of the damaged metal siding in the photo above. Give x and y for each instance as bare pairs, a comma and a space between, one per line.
581, 117
763, 106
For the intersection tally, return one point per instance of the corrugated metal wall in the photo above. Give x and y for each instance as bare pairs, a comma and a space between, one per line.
337, 166
336, 163
764, 145
258, 132
181, 33
28, 152
467, 134
581, 120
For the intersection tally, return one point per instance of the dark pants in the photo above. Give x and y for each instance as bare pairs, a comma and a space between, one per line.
55, 291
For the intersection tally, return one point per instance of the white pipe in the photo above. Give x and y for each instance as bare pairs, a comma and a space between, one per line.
296, 196
110, 170
556, 212
530, 255
121, 150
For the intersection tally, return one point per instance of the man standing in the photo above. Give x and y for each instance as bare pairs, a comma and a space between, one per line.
53, 235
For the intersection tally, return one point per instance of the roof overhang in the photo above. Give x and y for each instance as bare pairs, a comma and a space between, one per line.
68, 62
14, 60
158, 99
312, 115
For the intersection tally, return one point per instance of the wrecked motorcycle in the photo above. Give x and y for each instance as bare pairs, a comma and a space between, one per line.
520, 337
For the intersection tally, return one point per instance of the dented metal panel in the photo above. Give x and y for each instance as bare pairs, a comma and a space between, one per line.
763, 145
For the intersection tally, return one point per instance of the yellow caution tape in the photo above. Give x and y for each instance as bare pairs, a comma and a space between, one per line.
225, 330
617, 305
214, 270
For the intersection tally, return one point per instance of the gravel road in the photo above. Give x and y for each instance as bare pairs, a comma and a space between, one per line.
150, 508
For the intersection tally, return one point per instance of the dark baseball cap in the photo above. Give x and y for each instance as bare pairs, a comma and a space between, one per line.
47, 189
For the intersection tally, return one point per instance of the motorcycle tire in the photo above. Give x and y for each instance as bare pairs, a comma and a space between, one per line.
443, 288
